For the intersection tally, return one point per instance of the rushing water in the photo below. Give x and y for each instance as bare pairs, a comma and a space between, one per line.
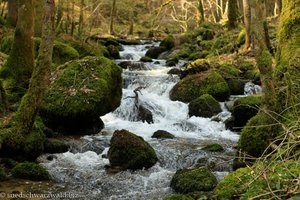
82, 170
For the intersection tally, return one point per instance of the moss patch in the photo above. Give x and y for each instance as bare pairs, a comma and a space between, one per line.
193, 180
160, 134
63, 53
168, 42
193, 86
30, 171
178, 197
213, 148
53, 145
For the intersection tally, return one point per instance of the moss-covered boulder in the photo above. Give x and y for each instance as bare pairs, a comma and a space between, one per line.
129, 151
193, 180
244, 109
53, 145
193, 86
88, 49
178, 197
195, 67
247, 183
236, 86
168, 42
30, 171
154, 52
258, 133
204, 106
161, 134
80, 92
213, 148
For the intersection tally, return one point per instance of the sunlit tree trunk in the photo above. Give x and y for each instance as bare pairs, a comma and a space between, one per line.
277, 7
12, 14
112, 18
247, 22
39, 82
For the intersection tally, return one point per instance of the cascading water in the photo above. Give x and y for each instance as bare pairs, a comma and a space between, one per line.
83, 169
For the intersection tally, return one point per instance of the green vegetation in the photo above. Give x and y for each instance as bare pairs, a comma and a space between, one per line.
179, 197
130, 151
30, 171
53, 145
2, 173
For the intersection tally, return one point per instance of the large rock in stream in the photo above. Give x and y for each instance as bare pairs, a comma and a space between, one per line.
80, 92
129, 151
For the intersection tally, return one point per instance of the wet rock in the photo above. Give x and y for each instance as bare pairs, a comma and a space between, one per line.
162, 134
193, 180
52, 145
146, 59
113, 52
145, 115
154, 52
174, 70
204, 106
132, 66
130, 151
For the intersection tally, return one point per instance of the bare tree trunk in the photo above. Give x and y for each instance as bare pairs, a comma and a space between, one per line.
67, 22
12, 14
247, 22
232, 14
40, 77
73, 17
80, 25
39, 13
200, 15
59, 12
112, 17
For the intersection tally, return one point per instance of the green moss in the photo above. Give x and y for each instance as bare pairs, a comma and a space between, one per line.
168, 42
193, 180
130, 151
82, 91
53, 145
213, 148
30, 171
178, 197
246, 183
229, 71
146, 59
198, 55
257, 134
245, 108
233, 185
6, 44
236, 86
204, 106
241, 38
193, 86
160, 134
63, 53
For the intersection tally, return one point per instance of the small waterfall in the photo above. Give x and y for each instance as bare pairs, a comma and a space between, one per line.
84, 171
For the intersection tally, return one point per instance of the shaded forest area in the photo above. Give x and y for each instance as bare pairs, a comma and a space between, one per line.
57, 75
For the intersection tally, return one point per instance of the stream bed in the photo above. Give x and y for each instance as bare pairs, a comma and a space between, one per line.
82, 170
